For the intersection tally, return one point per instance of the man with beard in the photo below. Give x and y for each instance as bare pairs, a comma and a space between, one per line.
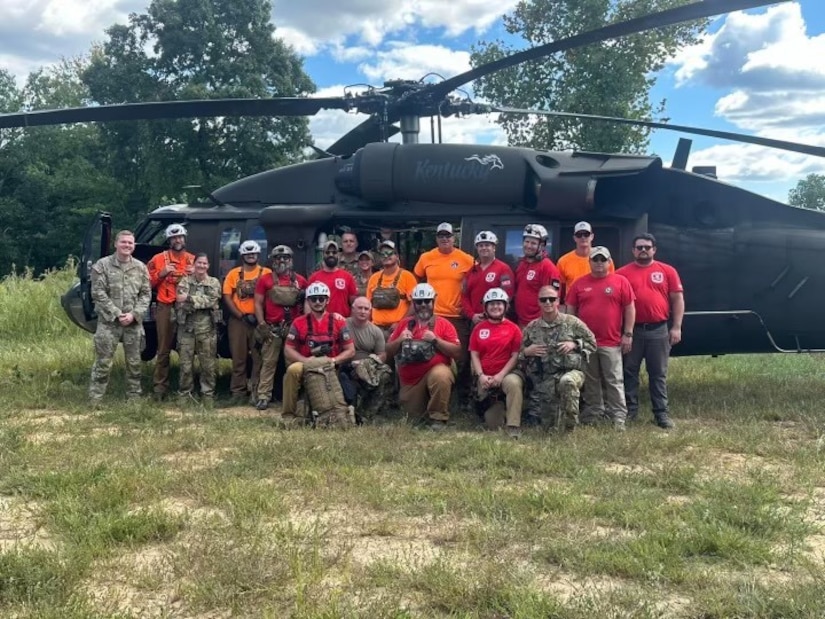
390, 290
534, 270
576, 263
198, 296
659, 298
488, 273
341, 283
121, 292
604, 302
423, 347
278, 301
363, 272
239, 300
317, 334
494, 348
444, 268
553, 358
165, 271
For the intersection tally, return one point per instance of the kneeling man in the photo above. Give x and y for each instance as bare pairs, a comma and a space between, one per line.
494, 348
368, 378
553, 358
424, 347
316, 337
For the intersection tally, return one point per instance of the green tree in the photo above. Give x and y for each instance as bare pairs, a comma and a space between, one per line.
809, 193
196, 49
613, 78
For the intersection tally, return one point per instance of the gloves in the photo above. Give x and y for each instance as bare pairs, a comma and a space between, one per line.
263, 333
250, 320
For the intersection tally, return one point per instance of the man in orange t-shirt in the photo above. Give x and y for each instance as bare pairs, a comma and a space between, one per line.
444, 268
391, 276
165, 271
239, 300
575, 264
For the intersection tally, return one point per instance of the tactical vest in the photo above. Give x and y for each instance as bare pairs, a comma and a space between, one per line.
245, 288
285, 296
386, 297
416, 351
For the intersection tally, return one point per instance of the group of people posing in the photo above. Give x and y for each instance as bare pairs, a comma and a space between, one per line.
523, 347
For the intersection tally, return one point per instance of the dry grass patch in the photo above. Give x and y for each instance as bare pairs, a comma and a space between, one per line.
197, 460
20, 526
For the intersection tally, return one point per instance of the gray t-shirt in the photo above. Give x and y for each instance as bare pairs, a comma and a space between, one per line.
368, 339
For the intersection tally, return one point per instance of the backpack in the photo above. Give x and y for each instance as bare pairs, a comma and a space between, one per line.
325, 395
285, 296
386, 297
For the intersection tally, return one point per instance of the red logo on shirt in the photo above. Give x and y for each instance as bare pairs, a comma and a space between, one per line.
531, 275
484, 334
490, 277
608, 290
657, 277
340, 284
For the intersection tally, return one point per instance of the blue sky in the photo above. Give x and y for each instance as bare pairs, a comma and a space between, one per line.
757, 73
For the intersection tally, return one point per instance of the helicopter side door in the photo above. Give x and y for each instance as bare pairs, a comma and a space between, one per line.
96, 244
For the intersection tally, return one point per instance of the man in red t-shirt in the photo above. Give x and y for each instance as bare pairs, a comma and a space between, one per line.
318, 328
340, 282
278, 301
659, 298
424, 347
488, 273
534, 270
604, 302
494, 348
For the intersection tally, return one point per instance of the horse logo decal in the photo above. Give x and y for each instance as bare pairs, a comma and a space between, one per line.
493, 161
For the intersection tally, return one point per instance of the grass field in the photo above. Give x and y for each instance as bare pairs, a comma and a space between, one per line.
150, 510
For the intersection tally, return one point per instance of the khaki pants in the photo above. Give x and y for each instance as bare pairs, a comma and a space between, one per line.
243, 349
292, 387
430, 396
509, 411
270, 354
166, 336
604, 386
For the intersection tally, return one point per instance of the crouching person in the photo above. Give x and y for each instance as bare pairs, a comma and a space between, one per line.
494, 349
554, 354
318, 344
367, 380
197, 314
424, 347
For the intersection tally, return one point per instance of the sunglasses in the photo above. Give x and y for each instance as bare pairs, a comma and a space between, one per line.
282, 258
331, 252
444, 235
423, 301
644, 247
319, 299
582, 235
548, 299
387, 253
598, 259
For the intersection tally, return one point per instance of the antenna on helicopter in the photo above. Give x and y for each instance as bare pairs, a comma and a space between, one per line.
680, 157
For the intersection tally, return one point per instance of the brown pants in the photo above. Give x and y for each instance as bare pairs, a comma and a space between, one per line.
430, 396
508, 411
166, 336
293, 379
242, 346
270, 353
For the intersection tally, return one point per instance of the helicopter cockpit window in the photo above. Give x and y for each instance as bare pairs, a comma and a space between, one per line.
230, 242
259, 234
154, 233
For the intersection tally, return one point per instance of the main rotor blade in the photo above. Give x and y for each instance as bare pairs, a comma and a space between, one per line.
279, 106
368, 131
690, 12
796, 147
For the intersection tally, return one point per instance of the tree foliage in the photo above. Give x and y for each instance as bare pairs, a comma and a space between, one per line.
809, 193
613, 78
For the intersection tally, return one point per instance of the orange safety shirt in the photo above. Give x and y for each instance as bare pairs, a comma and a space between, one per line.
166, 287
445, 273
571, 267
406, 283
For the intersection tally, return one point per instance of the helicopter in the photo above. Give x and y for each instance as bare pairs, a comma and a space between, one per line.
749, 264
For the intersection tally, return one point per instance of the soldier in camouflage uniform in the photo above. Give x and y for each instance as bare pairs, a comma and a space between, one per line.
197, 313
553, 356
363, 272
121, 293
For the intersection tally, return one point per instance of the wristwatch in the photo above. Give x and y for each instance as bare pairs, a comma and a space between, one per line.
627, 334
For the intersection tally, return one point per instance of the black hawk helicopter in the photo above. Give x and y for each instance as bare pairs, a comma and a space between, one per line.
750, 265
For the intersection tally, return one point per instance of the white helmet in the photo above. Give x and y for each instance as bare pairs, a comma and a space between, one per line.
495, 294
249, 247
535, 231
485, 236
317, 289
422, 292
175, 230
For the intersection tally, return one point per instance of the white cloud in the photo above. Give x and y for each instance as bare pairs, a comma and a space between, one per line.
749, 163
403, 61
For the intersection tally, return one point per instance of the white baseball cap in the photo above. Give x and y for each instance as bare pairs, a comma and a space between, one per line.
444, 227
600, 250
582, 226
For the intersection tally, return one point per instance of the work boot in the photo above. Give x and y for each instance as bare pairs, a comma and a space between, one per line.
664, 421
437, 426
631, 416
262, 405
618, 425
514, 432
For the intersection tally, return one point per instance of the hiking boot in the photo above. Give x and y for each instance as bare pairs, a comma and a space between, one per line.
619, 425
96, 404
631, 416
514, 432
262, 405
437, 426
664, 421
159, 396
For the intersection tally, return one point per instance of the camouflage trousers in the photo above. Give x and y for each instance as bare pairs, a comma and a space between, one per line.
205, 346
106, 340
556, 398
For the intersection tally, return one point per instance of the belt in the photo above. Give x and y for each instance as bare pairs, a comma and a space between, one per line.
649, 326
